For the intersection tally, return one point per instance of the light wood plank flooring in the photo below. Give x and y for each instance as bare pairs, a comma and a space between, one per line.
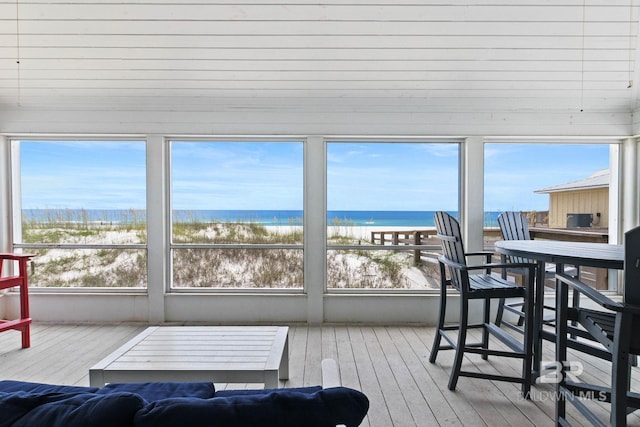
389, 364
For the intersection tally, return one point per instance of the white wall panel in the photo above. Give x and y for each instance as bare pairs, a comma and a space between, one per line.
475, 55
366, 67
288, 121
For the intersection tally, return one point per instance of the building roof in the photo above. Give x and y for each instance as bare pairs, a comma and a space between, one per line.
599, 179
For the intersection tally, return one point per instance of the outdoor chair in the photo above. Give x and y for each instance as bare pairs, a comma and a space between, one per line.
612, 325
475, 282
514, 226
19, 280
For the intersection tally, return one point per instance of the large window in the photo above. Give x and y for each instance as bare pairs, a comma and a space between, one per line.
381, 199
237, 214
236, 208
83, 216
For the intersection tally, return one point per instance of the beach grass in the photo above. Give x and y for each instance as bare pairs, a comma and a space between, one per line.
98, 266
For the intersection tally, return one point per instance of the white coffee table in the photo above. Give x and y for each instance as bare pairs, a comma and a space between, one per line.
224, 354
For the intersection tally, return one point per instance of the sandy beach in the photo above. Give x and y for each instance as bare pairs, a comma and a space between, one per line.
94, 266
357, 232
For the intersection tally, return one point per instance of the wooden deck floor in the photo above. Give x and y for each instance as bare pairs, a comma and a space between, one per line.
389, 364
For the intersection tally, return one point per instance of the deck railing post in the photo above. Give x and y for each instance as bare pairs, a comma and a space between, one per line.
417, 240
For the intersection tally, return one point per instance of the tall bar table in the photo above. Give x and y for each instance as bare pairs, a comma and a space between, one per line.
599, 255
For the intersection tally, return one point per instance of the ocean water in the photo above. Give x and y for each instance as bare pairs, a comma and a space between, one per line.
265, 217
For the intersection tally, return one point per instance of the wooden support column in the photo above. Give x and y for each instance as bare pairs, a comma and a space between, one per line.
315, 228
472, 193
157, 227
5, 195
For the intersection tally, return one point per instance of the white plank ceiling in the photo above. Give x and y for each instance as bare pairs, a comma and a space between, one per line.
430, 55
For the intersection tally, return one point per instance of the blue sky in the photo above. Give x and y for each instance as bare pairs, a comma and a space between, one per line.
83, 175
392, 176
246, 176
514, 171
380, 176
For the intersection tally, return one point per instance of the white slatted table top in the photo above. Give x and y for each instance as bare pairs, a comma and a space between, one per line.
246, 354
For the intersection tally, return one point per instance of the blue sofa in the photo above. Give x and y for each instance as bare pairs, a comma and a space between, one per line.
26, 404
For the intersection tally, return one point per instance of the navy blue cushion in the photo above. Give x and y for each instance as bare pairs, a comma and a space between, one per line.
153, 391
278, 408
16, 404
11, 385
247, 391
80, 410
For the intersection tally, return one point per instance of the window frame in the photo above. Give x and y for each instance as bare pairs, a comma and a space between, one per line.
172, 246
436, 247
15, 237
14, 228
615, 191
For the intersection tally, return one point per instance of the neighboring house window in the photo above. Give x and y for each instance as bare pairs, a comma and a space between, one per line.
81, 209
237, 214
381, 200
